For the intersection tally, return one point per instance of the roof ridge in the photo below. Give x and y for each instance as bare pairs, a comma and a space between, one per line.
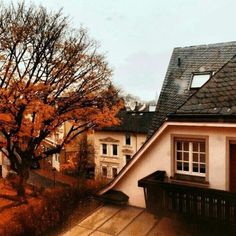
208, 45
140, 111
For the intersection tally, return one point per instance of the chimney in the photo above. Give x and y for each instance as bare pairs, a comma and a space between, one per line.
179, 62
136, 106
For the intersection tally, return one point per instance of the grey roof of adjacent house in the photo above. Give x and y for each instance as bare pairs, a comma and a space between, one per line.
216, 98
133, 122
183, 63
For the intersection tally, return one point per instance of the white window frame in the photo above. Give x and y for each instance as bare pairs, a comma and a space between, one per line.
104, 154
203, 82
191, 152
115, 155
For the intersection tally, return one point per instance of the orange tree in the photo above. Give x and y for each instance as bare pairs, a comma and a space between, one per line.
49, 74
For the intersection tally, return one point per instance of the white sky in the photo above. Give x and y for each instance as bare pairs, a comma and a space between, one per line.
138, 36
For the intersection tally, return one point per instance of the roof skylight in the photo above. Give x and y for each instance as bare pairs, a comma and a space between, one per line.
199, 79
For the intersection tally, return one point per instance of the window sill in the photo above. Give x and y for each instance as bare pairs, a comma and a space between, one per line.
127, 146
190, 180
107, 156
104, 155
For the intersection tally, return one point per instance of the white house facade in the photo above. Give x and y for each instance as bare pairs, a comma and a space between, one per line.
115, 146
194, 143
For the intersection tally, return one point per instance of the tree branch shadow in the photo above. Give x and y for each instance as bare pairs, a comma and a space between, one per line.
10, 205
14, 198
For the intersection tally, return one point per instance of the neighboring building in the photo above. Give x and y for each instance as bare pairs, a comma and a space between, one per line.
115, 146
77, 157
71, 149
54, 160
195, 139
47, 163
4, 165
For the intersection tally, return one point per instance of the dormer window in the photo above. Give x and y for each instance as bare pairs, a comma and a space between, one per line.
198, 79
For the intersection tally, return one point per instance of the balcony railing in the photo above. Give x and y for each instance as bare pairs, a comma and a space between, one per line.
163, 195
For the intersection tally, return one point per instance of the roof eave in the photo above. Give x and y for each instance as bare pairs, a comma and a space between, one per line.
186, 117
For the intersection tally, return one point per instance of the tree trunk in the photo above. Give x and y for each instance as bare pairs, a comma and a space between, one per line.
23, 177
20, 187
18, 182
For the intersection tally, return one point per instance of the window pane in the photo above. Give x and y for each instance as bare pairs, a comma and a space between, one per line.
104, 171
202, 158
186, 146
179, 155
202, 147
114, 150
195, 146
190, 157
195, 157
179, 145
127, 139
128, 158
202, 168
186, 156
199, 79
195, 167
104, 148
114, 172
179, 165
186, 166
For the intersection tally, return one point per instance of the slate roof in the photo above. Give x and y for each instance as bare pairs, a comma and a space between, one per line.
217, 96
131, 121
175, 90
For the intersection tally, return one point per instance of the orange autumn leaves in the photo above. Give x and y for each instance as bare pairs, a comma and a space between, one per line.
18, 104
32, 104
50, 74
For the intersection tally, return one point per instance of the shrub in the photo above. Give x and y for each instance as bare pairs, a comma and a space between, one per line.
41, 214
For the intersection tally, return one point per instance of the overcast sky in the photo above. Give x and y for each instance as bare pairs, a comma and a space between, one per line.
138, 36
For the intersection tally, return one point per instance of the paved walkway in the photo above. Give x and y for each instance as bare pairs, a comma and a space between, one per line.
42, 181
127, 221
47, 178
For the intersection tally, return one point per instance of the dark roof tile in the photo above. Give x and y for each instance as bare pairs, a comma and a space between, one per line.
175, 89
222, 98
132, 121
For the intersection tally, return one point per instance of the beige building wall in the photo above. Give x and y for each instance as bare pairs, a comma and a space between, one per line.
71, 148
5, 165
110, 161
159, 156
